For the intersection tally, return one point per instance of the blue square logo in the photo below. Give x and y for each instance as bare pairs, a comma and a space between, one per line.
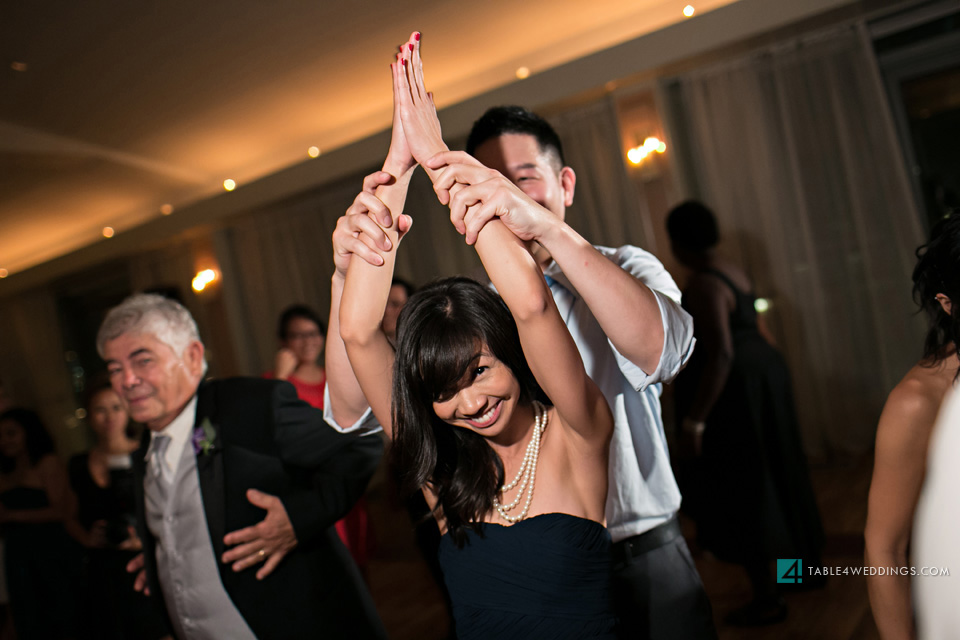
790, 571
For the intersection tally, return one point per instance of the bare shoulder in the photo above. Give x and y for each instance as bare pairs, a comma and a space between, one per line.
704, 290
707, 285
911, 408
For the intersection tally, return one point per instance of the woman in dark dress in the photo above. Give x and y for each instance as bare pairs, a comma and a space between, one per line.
516, 484
750, 493
102, 480
35, 503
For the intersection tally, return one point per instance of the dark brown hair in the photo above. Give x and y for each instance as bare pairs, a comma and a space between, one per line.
440, 332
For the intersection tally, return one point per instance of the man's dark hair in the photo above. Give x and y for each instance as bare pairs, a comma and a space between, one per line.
692, 226
498, 121
442, 329
298, 311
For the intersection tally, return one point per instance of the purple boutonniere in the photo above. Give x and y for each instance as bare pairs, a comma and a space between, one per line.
203, 437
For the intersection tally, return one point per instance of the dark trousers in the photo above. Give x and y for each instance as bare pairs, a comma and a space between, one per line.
658, 595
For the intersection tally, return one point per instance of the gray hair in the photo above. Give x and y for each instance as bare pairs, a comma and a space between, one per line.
148, 313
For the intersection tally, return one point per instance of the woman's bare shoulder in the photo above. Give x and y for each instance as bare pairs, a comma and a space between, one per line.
913, 404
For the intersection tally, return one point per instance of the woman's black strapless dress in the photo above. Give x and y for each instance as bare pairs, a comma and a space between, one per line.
42, 564
545, 577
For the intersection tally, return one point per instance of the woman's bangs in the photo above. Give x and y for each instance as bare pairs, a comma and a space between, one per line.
445, 352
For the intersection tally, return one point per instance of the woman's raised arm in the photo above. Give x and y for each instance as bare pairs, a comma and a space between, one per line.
547, 344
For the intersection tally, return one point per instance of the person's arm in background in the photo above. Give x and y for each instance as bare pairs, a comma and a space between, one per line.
338, 465
708, 301
903, 436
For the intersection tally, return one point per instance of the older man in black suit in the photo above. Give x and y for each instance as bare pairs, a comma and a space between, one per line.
236, 473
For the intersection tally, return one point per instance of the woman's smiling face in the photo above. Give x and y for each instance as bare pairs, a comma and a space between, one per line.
486, 397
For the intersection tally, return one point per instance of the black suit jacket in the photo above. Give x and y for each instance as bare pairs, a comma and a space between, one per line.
268, 439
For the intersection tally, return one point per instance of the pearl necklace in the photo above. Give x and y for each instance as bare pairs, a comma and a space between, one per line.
527, 472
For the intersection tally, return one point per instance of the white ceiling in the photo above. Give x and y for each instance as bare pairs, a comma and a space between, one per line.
127, 106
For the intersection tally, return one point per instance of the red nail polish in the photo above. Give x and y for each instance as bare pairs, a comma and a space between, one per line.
411, 47
416, 36
404, 62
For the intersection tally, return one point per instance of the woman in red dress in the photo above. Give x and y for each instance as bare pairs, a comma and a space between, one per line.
302, 336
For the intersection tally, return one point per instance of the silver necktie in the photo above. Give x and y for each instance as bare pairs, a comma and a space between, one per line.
158, 461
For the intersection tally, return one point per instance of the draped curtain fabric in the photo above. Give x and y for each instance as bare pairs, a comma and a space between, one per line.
34, 371
283, 255
795, 150
606, 208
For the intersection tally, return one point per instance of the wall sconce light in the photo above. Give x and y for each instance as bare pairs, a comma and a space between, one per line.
639, 153
203, 279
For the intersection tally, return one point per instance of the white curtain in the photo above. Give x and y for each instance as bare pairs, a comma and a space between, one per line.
606, 208
33, 366
282, 255
795, 150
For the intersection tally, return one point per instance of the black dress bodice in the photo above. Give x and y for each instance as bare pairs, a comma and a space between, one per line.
545, 577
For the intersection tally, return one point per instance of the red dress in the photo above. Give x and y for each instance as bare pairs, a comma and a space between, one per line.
353, 528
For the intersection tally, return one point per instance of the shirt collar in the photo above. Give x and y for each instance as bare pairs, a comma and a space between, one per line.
179, 432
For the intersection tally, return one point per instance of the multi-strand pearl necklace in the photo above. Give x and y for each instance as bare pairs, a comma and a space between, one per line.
527, 472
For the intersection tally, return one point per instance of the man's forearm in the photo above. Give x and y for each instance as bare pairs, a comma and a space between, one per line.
347, 402
625, 307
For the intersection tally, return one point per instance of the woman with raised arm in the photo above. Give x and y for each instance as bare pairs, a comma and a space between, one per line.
472, 382
903, 435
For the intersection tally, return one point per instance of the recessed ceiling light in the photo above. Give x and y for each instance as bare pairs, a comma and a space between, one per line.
166, 209
688, 10
108, 232
4, 273
523, 73
18, 66
229, 184
313, 152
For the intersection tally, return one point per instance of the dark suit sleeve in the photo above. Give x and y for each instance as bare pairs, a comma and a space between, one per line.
337, 466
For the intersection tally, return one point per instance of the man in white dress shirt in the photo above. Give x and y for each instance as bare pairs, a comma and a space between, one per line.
623, 310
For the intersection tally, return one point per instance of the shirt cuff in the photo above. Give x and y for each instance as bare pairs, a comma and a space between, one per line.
678, 345
366, 424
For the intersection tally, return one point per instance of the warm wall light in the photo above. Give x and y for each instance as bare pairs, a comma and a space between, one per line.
688, 10
761, 305
637, 154
313, 152
523, 73
229, 184
4, 273
166, 209
203, 279
18, 66
108, 232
